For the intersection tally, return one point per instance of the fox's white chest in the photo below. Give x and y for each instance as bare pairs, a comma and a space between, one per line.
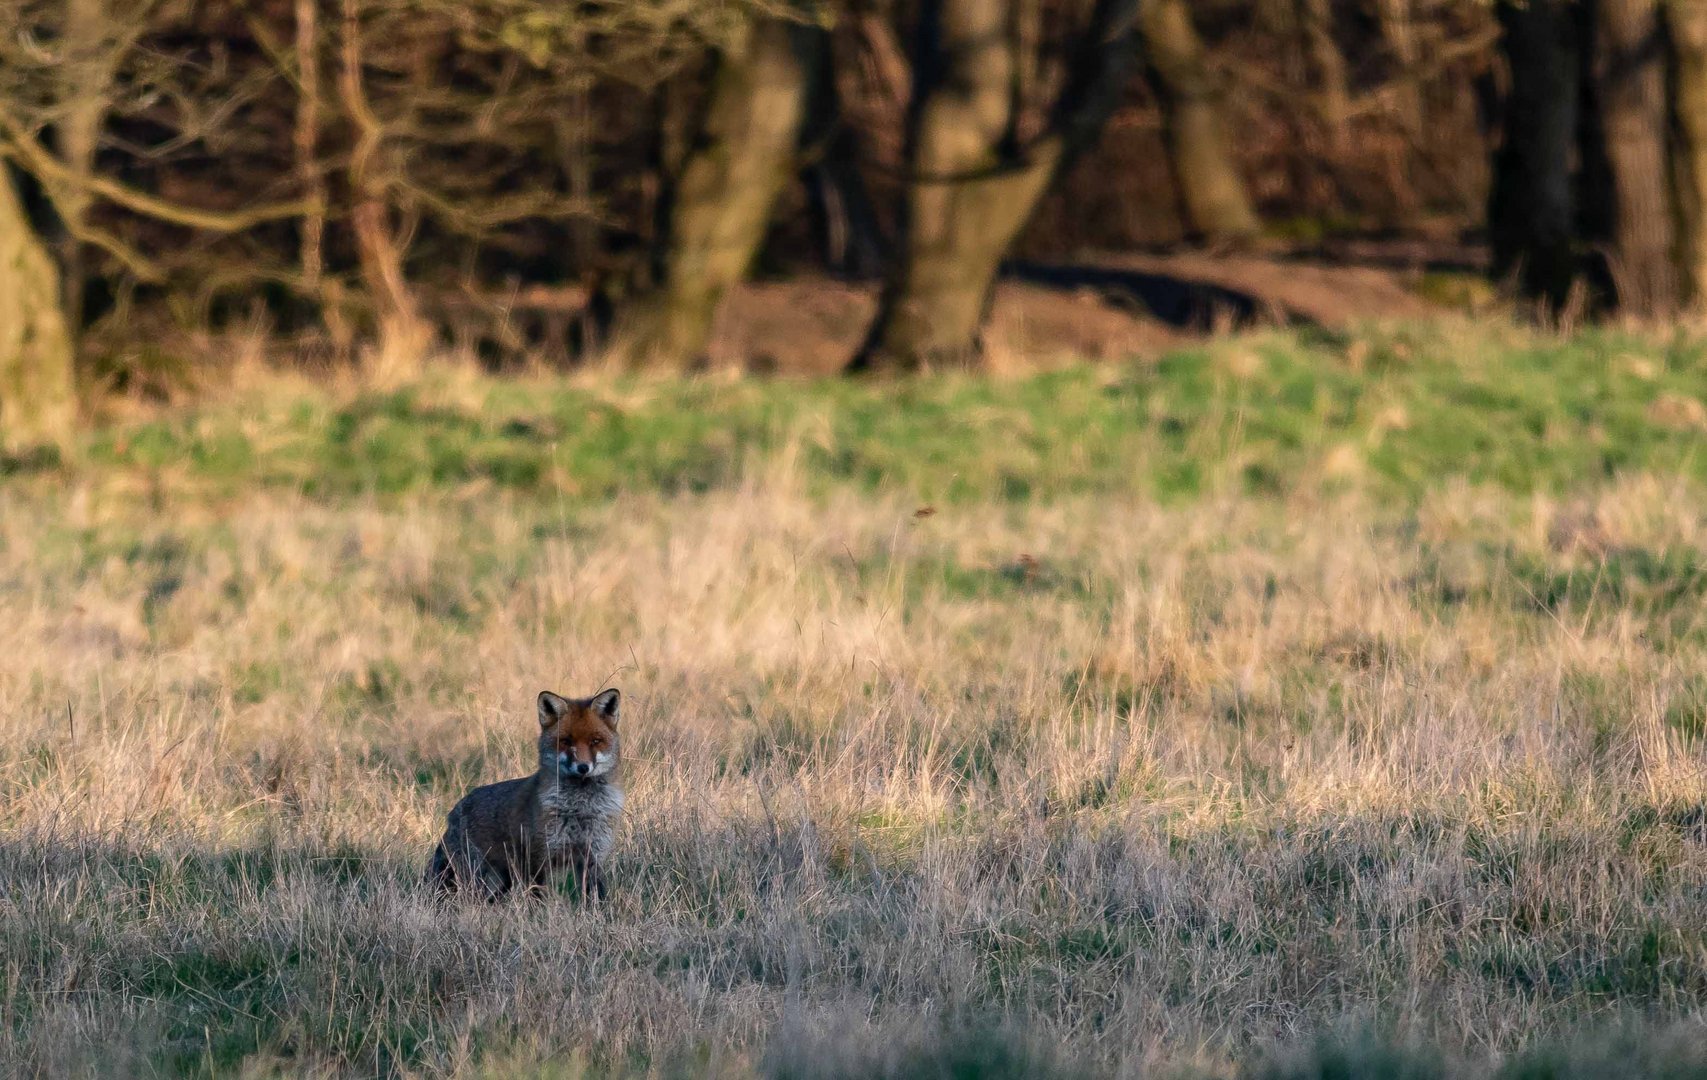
575, 818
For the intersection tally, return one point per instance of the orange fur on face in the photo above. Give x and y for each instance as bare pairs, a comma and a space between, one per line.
579, 732
583, 734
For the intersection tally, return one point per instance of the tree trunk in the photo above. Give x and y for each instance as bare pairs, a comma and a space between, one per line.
1398, 30
306, 142
38, 402
969, 196
87, 77
851, 238
1532, 211
721, 201
1687, 26
1628, 88
1212, 194
973, 186
1398, 19
404, 336
1328, 67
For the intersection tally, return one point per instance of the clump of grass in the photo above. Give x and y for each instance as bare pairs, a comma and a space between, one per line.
965, 1048
1633, 1049
1357, 1055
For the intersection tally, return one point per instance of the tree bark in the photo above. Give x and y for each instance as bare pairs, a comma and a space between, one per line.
1398, 29
1628, 84
721, 201
1687, 30
1211, 192
404, 336
87, 76
970, 195
38, 401
851, 238
972, 185
1533, 210
305, 139
1327, 63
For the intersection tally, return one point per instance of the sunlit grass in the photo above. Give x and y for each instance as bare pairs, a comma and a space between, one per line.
1394, 413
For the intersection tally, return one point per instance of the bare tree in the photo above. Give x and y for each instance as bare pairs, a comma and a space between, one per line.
1629, 142
1687, 26
1327, 67
403, 334
1533, 210
96, 39
305, 140
720, 203
1596, 180
852, 238
974, 178
1211, 192
58, 67
38, 404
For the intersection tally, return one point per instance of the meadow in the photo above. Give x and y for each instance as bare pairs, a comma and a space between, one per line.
1298, 705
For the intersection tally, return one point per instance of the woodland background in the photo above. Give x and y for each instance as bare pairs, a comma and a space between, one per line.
368, 182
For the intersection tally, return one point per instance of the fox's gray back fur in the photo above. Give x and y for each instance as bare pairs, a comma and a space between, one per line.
527, 831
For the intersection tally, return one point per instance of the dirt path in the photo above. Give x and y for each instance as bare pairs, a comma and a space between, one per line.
1046, 315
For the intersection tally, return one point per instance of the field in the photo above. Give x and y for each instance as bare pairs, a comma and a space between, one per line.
1298, 705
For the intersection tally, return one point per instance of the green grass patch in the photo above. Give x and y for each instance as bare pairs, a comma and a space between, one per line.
1418, 407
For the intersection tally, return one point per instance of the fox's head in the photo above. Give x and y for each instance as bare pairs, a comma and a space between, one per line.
577, 737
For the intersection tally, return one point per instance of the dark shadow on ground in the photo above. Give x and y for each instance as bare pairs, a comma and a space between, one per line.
1178, 301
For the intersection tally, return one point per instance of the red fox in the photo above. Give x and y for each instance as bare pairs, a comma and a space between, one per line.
525, 832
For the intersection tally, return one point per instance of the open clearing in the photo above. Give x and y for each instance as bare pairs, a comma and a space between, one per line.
1165, 717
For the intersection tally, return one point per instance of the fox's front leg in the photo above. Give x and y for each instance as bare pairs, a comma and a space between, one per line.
589, 879
563, 874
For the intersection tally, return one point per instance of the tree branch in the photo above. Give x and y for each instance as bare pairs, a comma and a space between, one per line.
36, 159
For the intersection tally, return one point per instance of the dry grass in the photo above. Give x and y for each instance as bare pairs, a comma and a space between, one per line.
1155, 785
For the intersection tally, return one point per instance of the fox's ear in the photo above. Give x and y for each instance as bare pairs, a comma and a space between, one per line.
552, 708
605, 704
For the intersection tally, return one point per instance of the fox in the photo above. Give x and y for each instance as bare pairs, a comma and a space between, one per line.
525, 833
